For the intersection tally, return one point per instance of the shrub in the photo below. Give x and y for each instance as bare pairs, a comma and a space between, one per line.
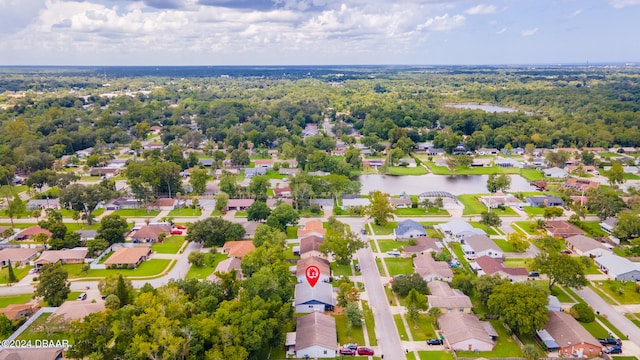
582, 313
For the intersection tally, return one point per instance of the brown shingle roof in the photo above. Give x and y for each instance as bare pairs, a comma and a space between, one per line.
77, 310
128, 256
316, 329
47, 353
425, 264
443, 296
151, 232
310, 243
491, 266
32, 231
238, 248
17, 254
422, 244
322, 264
458, 327
313, 226
53, 256
582, 243
562, 228
565, 329
14, 311
163, 202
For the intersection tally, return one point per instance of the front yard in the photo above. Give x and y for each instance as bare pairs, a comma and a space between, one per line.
19, 272
505, 347
136, 213
622, 292
387, 230
185, 212
170, 245
203, 272
153, 267
399, 265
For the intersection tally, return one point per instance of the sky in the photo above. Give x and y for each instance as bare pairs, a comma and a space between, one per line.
318, 32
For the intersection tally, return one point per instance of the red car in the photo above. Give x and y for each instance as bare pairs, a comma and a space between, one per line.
365, 351
347, 351
176, 232
181, 227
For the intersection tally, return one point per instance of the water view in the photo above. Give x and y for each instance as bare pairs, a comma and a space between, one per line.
487, 108
456, 185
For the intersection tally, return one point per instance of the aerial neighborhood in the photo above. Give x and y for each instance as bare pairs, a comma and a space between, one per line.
385, 213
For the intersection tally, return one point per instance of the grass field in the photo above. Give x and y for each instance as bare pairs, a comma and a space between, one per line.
423, 329
241, 214
170, 245
526, 227
443, 170
399, 266
431, 355
36, 331
136, 213
504, 245
532, 174
422, 212
488, 230
152, 267
348, 334
14, 299
185, 212
203, 272
19, 272
387, 230
592, 228
471, 204
532, 210
612, 287
292, 232
340, 270
400, 326
370, 323
389, 245
402, 171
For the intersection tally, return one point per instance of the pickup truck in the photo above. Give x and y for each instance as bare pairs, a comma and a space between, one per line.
610, 341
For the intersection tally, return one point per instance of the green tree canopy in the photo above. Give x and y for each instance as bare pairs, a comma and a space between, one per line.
521, 305
214, 231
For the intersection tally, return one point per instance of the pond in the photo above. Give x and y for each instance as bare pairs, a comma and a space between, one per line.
485, 107
456, 185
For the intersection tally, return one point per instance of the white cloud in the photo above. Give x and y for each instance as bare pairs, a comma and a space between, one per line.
576, 13
529, 32
442, 23
481, 9
618, 4
501, 31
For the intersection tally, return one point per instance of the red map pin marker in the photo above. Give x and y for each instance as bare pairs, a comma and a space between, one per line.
313, 274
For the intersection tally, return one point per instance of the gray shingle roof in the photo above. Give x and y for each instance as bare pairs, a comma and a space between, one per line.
321, 292
409, 225
316, 329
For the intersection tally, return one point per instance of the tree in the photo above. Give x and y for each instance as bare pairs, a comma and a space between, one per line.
112, 229
402, 285
354, 314
53, 285
240, 157
228, 183
347, 294
340, 241
39, 178
6, 326
16, 208
616, 174
490, 219
54, 224
258, 211
500, 182
582, 313
258, 186
560, 268
627, 225
267, 235
518, 242
85, 198
415, 302
380, 209
463, 283
605, 202
118, 285
198, 180
530, 352
11, 277
282, 216
112, 302
222, 199
552, 212
196, 258
214, 231
123, 290
521, 305
557, 158
484, 286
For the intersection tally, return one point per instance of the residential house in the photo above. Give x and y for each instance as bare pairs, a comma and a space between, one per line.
563, 229
67, 256
495, 201
165, 204
464, 332
430, 269
318, 298
487, 151
482, 245
282, 192
206, 162
273, 202
77, 310
585, 168
27, 353
544, 201
555, 172
423, 245
491, 266
312, 227
322, 264
582, 200
17, 256
424, 146
580, 184
608, 225
435, 152
264, 163
459, 229
357, 202
251, 172
238, 248
409, 229
44, 204
310, 246
104, 171
586, 246
315, 336
289, 171
239, 204
128, 257
323, 203
15, 312
618, 268
570, 338
87, 234
32, 231
401, 202
443, 297
122, 203
374, 163
508, 163
150, 233
226, 266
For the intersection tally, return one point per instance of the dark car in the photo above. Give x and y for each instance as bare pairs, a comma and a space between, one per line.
434, 342
357, 267
365, 351
610, 341
613, 350
568, 252
347, 351
534, 274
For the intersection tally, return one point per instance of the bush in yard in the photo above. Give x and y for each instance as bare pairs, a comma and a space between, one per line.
403, 284
582, 313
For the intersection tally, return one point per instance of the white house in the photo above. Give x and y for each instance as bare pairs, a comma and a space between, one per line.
555, 172
409, 229
618, 268
482, 245
586, 246
318, 298
316, 337
464, 332
460, 229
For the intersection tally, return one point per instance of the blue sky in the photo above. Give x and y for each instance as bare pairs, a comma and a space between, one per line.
301, 32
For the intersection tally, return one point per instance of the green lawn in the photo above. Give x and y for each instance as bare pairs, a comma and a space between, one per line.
170, 245
595, 329
380, 268
505, 347
526, 226
488, 230
152, 267
292, 232
14, 299
504, 245
204, 271
272, 174
400, 326
628, 176
611, 287
36, 331
532, 174
370, 323
472, 205
19, 272
401, 171
241, 214
431, 355
348, 334
480, 170
340, 270
592, 228
635, 318
423, 329
399, 266
390, 245
532, 210
184, 212
387, 230
82, 226
136, 213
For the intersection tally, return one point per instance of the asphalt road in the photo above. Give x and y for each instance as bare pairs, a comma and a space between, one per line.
386, 332
617, 319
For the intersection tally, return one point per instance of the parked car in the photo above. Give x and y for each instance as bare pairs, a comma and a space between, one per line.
82, 296
534, 274
365, 351
350, 346
181, 227
568, 252
176, 232
434, 342
347, 351
613, 350
357, 267
610, 341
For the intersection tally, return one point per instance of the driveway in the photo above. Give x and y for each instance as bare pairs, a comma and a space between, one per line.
386, 331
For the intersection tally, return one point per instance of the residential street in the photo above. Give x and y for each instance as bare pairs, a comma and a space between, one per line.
386, 331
